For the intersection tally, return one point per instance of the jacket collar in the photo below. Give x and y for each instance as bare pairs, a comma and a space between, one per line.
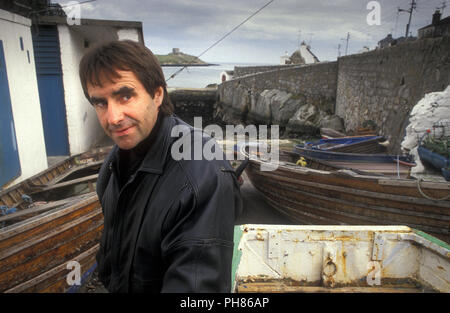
156, 156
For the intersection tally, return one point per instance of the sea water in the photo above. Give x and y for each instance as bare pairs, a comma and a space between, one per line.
197, 76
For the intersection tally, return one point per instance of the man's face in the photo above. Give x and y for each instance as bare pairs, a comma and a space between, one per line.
125, 110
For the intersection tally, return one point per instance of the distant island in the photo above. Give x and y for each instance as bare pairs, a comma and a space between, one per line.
178, 58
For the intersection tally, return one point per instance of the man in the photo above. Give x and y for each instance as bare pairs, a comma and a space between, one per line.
168, 224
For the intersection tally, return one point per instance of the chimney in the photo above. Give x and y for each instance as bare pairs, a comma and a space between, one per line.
436, 17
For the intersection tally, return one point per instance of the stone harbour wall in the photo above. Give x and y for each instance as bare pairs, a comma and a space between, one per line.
190, 103
240, 71
276, 96
377, 88
384, 85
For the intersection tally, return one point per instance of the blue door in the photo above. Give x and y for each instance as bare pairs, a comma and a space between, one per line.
9, 156
51, 90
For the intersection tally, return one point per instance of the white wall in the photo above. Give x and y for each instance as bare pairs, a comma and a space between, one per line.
82, 124
128, 33
309, 58
24, 94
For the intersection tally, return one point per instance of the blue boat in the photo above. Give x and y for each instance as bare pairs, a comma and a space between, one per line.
351, 157
355, 144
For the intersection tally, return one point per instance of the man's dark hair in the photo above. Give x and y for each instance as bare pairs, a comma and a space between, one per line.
126, 55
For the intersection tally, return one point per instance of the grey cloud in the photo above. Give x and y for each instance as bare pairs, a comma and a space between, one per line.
194, 25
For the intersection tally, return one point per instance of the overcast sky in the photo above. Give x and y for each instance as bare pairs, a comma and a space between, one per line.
194, 25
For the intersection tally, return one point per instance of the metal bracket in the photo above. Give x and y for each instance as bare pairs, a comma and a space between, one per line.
378, 247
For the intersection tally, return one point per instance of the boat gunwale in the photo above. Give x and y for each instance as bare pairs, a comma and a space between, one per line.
32, 222
381, 180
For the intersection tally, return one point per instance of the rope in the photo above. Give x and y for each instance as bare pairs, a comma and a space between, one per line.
428, 197
398, 167
223, 37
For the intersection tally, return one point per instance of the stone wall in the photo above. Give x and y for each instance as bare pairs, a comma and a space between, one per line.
312, 85
248, 70
384, 85
190, 103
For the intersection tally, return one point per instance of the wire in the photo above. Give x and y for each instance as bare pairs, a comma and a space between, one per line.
63, 6
223, 37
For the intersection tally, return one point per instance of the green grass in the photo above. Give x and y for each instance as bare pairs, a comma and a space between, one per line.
179, 58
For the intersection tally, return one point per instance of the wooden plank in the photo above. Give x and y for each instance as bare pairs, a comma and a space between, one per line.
44, 220
59, 283
306, 207
355, 181
413, 183
37, 209
361, 207
19, 238
42, 281
73, 170
60, 254
37, 244
335, 211
66, 184
299, 181
274, 287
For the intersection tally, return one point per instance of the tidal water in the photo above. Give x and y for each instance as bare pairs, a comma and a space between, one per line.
198, 76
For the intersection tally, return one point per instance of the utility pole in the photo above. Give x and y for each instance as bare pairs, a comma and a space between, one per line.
346, 45
339, 50
310, 38
410, 11
444, 5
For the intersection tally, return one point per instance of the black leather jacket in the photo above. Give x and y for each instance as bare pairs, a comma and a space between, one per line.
170, 227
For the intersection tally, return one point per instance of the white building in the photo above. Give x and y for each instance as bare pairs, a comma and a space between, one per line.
22, 145
46, 113
301, 56
226, 75
71, 41
305, 52
284, 59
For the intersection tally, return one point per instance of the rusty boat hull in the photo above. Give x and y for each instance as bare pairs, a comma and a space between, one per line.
338, 259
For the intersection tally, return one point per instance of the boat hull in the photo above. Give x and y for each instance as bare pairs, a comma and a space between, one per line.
338, 259
53, 232
318, 197
34, 254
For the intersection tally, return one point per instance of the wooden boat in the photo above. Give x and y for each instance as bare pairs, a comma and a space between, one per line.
338, 259
34, 253
72, 176
392, 169
38, 240
328, 133
350, 157
343, 197
352, 144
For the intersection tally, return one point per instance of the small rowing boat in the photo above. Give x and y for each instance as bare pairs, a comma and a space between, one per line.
51, 235
338, 259
345, 197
